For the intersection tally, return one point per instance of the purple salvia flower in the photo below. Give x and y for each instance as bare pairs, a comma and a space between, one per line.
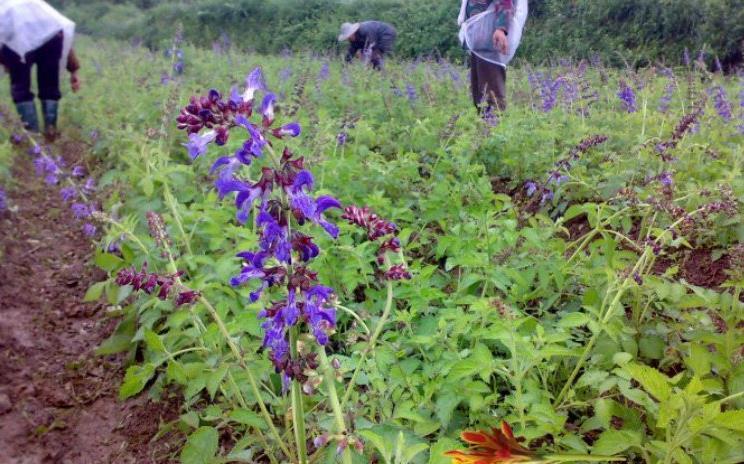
627, 97
3, 200
291, 129
78, 171
411, 93
721, 103
89, 229
253, 82
80, 210
68, 193
324, 73
686, 57
341, 138
89, 186
197, 145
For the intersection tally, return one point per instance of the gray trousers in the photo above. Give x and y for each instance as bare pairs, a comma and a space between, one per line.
488, 84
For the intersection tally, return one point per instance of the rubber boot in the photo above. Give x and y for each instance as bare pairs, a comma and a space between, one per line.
50, 108
29, 116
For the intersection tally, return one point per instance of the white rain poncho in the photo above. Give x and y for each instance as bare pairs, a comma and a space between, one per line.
476, 32
26, 25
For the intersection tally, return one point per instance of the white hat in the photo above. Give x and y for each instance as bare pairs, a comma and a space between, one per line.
347, 29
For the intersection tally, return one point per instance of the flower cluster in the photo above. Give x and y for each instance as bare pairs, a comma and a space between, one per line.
379, 229
219, 116
55, 172
148, 282
627, 97
685, 124
278, 270
721, 103
669, 88
559, 175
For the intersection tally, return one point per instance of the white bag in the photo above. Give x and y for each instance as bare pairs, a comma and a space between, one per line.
476, 33
26, 25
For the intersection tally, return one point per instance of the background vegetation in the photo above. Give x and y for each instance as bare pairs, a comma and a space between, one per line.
637, 32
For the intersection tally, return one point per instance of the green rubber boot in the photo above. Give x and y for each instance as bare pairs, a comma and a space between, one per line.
29, 116
50, 109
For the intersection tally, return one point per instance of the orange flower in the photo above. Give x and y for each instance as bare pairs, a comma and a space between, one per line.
497, 447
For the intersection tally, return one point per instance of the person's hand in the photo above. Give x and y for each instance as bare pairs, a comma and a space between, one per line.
499, 41
74, 81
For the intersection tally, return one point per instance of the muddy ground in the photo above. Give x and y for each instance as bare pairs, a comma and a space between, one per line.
58, 400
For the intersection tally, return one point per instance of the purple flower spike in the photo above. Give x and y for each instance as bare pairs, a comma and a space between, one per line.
68, 193
292, 129
89, 229
253, 82
197, 145
80, 210
267, 109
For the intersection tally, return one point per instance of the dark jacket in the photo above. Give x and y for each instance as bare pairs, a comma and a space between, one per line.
373, 34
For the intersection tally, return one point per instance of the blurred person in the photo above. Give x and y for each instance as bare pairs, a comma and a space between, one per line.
374, 39
34, 33
490, 30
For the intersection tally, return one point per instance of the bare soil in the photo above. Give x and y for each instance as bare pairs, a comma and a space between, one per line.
58, 399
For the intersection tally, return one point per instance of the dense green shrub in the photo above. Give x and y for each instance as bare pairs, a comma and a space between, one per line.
636, 32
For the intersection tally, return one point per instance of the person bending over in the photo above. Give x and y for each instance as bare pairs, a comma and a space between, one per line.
34, 33
374, 39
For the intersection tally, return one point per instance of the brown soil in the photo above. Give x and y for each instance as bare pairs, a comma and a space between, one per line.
698, 268
58, 400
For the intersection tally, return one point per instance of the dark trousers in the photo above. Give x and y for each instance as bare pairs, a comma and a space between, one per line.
488, 84
46, 58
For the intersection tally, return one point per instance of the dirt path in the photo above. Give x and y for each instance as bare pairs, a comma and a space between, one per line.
58, 400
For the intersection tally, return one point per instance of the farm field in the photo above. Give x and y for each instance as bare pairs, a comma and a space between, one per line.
361, 268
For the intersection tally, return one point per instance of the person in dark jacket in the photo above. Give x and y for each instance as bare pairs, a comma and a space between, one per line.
34, 33
374, 39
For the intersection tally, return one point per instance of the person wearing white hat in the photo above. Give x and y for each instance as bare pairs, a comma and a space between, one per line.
374, 39
32, 32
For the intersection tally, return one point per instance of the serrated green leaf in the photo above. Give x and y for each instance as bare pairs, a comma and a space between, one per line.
201, 446
248, 417
615, 441
653, 381
95, 291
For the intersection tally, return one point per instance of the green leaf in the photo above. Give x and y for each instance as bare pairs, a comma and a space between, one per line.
575, 319
248, 417
733, 420
444, 407
108, 262
154, 342
215, 379
95, 291
615, 441
412, 450
436, 455
379, 443
135, 380
201, 446
653, 381
699, 360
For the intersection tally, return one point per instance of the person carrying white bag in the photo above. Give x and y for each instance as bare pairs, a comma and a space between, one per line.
491, 31
34, 33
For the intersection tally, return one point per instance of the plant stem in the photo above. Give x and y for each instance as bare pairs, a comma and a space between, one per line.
606, 313
251, 378
372, 340
338, 415
298, 412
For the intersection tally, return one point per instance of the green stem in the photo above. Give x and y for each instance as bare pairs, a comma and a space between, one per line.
372, 340
606, 313
338, 415
298, 412
251, 378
